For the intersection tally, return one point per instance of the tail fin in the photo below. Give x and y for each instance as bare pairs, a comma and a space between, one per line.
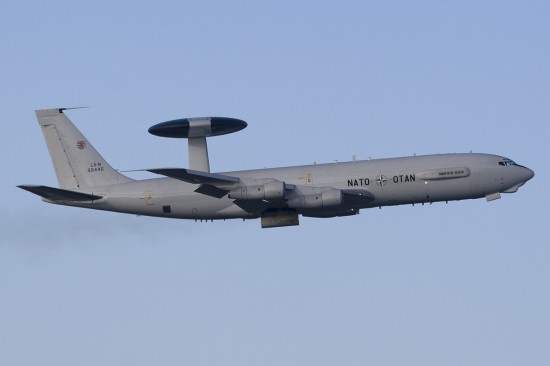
77, 164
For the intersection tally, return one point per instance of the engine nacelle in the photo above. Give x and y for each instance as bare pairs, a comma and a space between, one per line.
269, 191
327, 199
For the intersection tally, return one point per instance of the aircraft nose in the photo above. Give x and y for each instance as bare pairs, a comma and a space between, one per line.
527, 174
530, 174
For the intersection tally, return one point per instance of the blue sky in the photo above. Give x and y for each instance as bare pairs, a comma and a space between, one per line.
456, 284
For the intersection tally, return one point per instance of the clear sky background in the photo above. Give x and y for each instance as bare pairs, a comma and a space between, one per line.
466, 283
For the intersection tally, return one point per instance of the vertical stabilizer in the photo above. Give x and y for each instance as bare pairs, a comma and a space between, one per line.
76, 162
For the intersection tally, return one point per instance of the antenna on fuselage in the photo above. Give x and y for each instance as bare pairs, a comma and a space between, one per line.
196, 130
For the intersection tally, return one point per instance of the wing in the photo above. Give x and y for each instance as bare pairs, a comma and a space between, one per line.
194, 176
258, 195
208, 181
58, 195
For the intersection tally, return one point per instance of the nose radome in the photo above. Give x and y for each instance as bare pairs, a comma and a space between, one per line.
528, 174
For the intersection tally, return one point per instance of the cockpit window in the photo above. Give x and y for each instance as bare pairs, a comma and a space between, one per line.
507, 162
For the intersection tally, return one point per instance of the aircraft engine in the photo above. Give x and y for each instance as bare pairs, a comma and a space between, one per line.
326, 199
268, 191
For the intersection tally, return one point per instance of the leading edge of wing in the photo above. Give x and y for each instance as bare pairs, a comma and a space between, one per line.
57, 194
194, 176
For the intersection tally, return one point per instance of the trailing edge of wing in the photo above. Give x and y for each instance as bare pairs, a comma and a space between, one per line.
194, 176
57, 194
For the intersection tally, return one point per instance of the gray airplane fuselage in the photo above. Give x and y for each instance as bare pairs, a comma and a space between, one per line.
277, 195
394, 181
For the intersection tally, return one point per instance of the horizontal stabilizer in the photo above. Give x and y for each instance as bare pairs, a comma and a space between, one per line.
57, 194
194, 176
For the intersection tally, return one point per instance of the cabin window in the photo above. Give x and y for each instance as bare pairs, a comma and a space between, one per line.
166, 209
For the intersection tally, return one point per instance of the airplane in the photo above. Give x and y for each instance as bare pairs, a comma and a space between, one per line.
277, 196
